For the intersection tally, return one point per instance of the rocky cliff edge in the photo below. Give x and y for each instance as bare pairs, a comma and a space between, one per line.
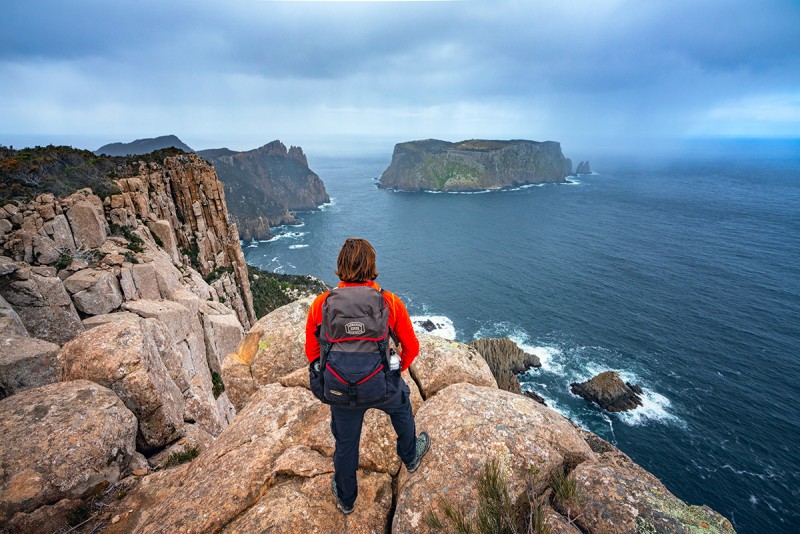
270, 469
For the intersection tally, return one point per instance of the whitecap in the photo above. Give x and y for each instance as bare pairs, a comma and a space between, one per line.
327, 205
655, 407
443, 326
286, 235
550, 357
297, 246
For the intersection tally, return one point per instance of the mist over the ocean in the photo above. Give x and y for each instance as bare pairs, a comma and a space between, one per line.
680, 273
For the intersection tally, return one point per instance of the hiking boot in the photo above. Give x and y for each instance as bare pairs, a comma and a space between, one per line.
423, 444
342, 508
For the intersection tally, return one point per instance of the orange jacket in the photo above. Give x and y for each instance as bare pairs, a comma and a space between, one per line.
399, 322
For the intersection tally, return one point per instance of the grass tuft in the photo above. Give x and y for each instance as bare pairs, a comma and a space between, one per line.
187, 455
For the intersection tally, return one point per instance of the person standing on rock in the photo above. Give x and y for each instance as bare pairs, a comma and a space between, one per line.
352, 368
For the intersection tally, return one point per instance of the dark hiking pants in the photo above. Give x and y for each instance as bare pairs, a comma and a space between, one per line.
346, 428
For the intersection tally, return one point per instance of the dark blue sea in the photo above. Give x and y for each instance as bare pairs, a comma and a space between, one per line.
681, 272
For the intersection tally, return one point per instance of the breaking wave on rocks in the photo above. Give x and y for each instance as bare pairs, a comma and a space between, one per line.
436, 325
564, 363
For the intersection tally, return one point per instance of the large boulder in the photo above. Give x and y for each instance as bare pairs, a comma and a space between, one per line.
616, 495
300, 504
125, 356
609, 391
442, 362
274, 347
87, 219
187, 338
41, 301
10, 322
223, 333
470, 425
94, 291
506, 360
258, 475
26, 362
60, 443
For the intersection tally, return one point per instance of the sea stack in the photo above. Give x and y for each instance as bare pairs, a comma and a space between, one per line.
609, 391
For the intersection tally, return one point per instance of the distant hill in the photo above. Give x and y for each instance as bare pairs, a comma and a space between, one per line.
142, 146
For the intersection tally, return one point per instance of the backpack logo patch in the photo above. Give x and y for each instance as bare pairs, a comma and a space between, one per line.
355, 328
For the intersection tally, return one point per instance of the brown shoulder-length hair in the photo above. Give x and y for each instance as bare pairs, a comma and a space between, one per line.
356, 261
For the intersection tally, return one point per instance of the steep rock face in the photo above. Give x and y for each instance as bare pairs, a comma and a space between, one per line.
474, 165
609, 391
186, 193
506, 360
60, 442
161, 247
264, 185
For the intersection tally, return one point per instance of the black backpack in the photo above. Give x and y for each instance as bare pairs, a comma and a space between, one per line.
354, 350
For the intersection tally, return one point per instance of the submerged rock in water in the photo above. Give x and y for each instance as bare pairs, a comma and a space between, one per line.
609, 391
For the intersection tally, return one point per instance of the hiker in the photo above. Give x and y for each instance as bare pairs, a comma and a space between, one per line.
352, 367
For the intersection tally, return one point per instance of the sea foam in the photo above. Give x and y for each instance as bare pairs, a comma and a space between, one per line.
443, 325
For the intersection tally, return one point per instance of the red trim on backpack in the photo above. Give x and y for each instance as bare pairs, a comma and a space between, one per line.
329, 368
342, 339
375, 372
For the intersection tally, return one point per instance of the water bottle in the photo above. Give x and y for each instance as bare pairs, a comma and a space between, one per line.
394, 360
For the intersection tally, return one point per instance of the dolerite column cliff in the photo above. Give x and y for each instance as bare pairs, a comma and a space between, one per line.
185, 191
264, 186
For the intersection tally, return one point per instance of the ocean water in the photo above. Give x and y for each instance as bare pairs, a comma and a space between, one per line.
681, 273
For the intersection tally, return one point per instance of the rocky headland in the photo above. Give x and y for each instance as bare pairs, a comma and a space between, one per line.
474, 165
142, 395
264, 186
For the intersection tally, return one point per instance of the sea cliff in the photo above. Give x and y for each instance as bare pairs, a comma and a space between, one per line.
266, 185
474, 165
138, 392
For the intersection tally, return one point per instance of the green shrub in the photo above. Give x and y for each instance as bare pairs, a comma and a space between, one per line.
273, 290
135, 243
218, 386
63, 262
187, 455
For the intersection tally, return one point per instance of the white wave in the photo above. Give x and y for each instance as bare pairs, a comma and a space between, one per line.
297, 246
655, 407
443, 326
550, 357
253, 244
328, 205
286, 235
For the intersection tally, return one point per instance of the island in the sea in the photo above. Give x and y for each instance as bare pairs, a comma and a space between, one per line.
474, 165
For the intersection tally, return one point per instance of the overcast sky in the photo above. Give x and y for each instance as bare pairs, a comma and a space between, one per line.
329, 75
